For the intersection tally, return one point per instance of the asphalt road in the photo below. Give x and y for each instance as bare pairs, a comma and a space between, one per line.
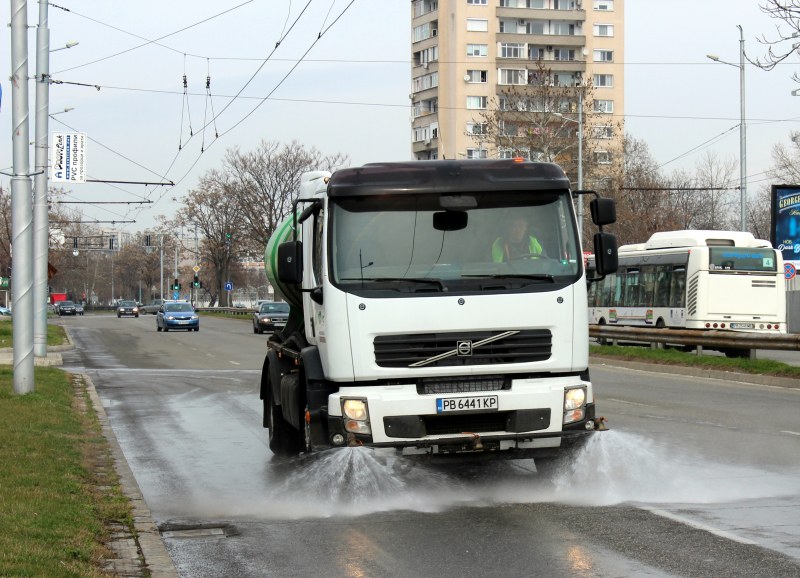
697, 477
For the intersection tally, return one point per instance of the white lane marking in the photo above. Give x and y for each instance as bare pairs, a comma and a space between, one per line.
794, 433
622, 401
701, 526
234, 362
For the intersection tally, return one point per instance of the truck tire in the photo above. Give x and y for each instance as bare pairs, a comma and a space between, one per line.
284, 440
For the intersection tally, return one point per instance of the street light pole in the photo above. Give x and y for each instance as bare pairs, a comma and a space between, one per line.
742, 130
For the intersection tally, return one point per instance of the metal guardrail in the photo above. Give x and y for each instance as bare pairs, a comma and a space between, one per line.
229, 310
713, 339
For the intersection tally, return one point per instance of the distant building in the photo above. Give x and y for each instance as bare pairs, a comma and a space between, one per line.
465, 51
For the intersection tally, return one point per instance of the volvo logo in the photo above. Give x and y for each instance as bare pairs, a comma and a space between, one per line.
464, 348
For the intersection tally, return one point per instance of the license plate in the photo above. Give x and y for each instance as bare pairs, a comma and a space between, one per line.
479, 403
182, 322
743, 326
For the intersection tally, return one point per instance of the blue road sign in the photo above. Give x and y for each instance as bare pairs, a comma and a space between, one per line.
175, 295
789, 270
228, 286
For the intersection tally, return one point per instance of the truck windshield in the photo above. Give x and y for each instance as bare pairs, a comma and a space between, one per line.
479, 241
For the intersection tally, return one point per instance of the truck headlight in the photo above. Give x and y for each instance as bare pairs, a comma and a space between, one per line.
574, 404
354, 409
356, 416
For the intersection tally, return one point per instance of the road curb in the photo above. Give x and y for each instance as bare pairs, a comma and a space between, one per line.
156, 559
753, 378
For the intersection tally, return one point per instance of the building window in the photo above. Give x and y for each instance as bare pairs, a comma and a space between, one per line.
603, 132
511, 76
562, 29
512, 50
477, 128
477, 49
564, 54
604, 30
426, 82
606, 5
604, 106
477, 102
602, 157
604, 56
477, 153
603, 80
425, 31
477, 76
422, 7
477, 25
477, 2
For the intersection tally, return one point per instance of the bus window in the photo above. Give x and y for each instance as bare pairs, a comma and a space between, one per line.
608, 290
646, 286
741, 259
677, 293
663, 275
632, 288
619, 289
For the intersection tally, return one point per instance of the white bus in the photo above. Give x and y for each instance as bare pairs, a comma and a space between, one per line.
695, 280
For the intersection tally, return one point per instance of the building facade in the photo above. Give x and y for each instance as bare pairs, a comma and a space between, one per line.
467, 53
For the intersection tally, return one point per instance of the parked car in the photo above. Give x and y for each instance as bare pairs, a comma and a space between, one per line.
127, 308
270, 316
152, 307
5, 311
78, 309
177, 315
66, 308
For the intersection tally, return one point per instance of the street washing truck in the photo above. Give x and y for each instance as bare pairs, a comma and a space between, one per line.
437, 307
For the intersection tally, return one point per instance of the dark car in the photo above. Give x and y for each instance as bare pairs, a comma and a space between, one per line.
78, 309
127, 308
270, 316
177, 315
152, 307
66, 308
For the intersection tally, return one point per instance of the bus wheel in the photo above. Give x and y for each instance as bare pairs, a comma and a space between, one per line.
737, 353
660, 324
602, 340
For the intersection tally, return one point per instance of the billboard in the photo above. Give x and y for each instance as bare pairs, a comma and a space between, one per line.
68, 154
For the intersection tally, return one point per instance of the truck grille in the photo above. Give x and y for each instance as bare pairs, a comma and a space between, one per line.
473, 423
458, 349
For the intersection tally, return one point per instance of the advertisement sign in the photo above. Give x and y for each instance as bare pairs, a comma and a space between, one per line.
68, 154
785, 229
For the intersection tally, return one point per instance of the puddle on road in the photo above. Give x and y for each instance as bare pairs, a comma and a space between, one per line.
613, 468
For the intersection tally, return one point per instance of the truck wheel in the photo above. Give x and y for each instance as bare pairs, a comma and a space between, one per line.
284, 440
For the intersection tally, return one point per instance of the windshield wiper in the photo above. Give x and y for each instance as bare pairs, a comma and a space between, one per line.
428, 280
536, 277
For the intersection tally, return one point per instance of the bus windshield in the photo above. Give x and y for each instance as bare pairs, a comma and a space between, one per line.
741, 259
434, 242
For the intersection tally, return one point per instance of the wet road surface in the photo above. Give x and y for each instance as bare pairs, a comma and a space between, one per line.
696, 478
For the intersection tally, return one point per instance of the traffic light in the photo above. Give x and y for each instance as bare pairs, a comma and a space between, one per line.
196, 281
176, 286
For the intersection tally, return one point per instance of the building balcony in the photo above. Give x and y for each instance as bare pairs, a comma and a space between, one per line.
560, 40
541, 14
425, 145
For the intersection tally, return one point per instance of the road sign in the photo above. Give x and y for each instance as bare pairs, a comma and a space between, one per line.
789, 271
68, 153
196, 268
228, 286
175, 295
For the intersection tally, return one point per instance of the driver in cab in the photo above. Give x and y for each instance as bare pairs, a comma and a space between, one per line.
516, 243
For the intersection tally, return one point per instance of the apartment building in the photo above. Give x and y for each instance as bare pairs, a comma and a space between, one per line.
466, 52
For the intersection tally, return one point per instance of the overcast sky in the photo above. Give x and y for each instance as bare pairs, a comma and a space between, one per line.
350, 92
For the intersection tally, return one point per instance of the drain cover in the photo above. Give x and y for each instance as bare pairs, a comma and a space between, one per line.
195, 533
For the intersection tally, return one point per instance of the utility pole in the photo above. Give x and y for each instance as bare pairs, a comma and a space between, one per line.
21, 206
41, 226
161, 248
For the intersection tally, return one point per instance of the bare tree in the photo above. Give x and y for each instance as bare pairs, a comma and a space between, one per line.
264, 183
219, 221
716, 207
783, 44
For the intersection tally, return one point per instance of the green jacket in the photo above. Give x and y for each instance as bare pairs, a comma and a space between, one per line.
500, 251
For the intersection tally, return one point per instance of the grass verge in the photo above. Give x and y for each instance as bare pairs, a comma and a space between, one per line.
58, 489
675, 357
55, 333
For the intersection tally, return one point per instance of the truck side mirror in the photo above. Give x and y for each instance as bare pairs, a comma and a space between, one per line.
605, 252
604, 211
290, 262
